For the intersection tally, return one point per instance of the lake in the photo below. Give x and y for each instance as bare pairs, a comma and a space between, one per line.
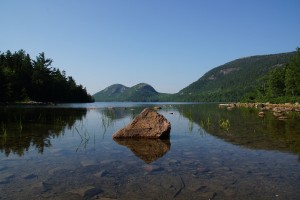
67, 152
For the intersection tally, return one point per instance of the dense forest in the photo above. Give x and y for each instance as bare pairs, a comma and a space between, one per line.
23, 79
280, 85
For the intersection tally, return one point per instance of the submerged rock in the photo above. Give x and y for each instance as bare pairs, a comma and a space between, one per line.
87, 192
282, 117
87, 163
152, 168
5, 178
148, 124
101, 173
29, 176
261, 114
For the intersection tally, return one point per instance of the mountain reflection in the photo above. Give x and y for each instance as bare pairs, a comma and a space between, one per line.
243, 126
148, 150
22, 128
120, 112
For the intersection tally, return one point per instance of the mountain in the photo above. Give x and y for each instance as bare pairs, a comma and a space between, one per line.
141, 92
228, 82
231, 81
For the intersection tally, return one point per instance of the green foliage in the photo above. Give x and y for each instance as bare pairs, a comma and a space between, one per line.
292, 76
281, 84
276, 86
250, 79
24, 79
233, 80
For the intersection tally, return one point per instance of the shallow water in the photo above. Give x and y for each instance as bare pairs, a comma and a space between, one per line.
67, 152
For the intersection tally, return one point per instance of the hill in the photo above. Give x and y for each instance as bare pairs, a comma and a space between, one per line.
141, 92
231, 81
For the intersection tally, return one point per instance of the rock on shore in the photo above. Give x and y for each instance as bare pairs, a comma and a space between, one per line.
279, 110
265, 106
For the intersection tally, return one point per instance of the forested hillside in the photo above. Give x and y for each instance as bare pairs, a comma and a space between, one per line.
24, 79
280, 85
231, 81
274, 78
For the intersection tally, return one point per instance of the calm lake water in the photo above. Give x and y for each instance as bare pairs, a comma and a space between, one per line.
67, 152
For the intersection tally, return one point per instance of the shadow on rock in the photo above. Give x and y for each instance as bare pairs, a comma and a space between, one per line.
148, 150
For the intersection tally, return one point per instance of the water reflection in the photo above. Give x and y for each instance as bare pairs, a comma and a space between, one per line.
243, 126
115, 113
22, 128
148, 150
81, 164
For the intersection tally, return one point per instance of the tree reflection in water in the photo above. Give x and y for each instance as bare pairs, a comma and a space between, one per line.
243, 126
22, 128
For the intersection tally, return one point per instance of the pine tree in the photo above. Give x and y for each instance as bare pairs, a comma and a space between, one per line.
292, 76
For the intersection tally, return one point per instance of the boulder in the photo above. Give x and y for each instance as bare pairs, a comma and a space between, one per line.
148, 124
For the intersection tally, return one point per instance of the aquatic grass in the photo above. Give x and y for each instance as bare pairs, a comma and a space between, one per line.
202, 123
106, 122
191, 126
84, 136
205, 123
4, 132
224, 124
202, 132
77, 131
208, 122
20, 124
191, 121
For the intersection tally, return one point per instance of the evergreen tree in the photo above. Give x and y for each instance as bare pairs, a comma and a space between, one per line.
292, 76
276, 83
23, 79
282, 84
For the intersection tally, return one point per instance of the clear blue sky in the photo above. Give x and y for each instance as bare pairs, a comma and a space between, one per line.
166, 43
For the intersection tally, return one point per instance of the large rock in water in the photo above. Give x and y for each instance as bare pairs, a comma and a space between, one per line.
148, 124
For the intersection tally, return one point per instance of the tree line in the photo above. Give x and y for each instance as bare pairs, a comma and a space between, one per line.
280, 85
23, 79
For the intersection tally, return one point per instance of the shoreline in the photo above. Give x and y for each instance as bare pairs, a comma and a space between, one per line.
280, 111
262, 106
25, 103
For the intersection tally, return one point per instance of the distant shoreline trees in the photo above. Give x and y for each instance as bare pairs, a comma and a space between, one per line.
280, 85
23, 79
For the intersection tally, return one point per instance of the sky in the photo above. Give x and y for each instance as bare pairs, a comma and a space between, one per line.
166, 43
